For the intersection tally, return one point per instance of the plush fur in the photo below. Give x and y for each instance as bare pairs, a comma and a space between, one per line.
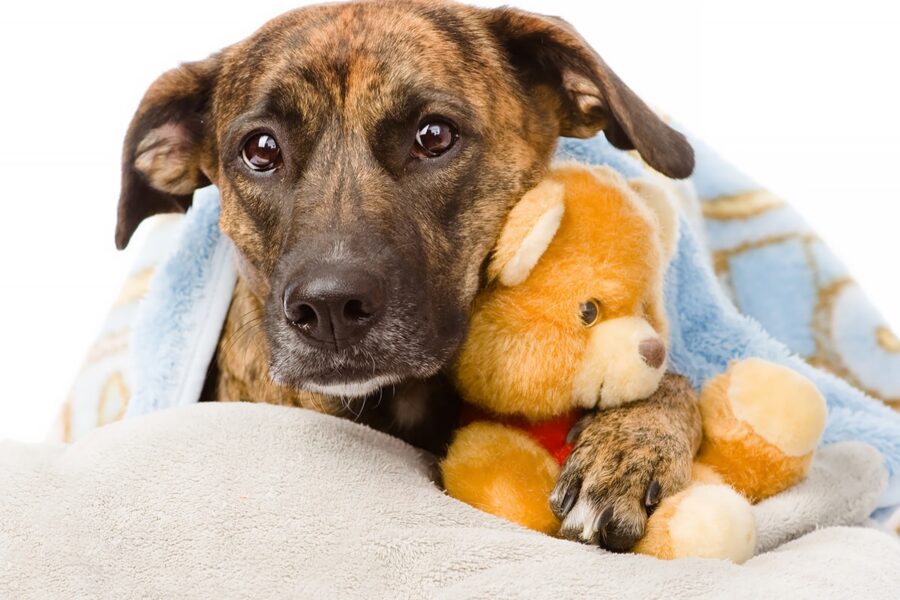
530, 355
608, 248
500, 470
761, 424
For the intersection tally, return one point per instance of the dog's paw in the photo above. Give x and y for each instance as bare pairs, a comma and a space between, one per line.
623, 464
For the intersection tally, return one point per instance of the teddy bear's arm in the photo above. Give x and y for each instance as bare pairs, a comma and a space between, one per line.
624, 462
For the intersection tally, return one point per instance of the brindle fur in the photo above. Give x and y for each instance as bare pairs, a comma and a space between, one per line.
622, 451
343, 87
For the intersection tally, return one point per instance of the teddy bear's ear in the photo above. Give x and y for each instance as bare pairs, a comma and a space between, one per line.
661, 203
528, 231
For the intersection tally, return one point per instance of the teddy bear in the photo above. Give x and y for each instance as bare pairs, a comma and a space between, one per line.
572, 320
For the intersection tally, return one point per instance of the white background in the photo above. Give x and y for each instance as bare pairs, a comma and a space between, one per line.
802, 95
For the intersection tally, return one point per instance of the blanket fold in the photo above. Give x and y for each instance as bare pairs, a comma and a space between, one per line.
276, 502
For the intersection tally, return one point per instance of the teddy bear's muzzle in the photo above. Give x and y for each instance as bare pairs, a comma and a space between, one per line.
624, 361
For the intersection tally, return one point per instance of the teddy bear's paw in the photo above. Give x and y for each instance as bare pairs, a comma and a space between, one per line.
761, 423
704, 521
779, 404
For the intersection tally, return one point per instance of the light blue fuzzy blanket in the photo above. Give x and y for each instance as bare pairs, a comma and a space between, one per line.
797, 305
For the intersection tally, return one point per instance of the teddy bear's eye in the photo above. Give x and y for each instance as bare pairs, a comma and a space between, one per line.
589, 312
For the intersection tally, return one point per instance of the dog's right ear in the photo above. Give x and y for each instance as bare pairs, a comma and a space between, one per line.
530, 227
162, 156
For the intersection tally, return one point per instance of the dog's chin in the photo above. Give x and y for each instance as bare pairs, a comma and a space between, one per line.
348, 379
352, 389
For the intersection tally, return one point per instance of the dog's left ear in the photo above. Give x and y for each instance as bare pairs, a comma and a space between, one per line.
162, 154
548, 51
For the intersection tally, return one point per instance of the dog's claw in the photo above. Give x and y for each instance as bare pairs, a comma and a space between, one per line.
602, 522
561, 508
578, 427
654, 491
569, 500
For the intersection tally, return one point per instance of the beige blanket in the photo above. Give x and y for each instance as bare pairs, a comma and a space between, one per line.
255, 501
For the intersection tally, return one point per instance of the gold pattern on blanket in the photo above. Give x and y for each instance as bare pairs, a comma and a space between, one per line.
740, 206
113, 400
825, 355
61, 430
110, 345
67, 421
888, 340
135, 287
722, 258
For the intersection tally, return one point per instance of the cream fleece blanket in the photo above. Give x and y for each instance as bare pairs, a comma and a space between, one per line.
257, 501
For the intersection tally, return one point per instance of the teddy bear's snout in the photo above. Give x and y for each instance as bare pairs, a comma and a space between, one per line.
624, 360
653, 351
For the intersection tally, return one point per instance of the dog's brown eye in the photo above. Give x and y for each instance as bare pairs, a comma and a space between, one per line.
261, 152
589, 312
433, 138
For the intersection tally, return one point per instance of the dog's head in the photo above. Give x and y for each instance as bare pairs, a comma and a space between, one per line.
366, 154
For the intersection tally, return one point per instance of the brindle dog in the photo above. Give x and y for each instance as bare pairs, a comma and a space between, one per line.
366, 154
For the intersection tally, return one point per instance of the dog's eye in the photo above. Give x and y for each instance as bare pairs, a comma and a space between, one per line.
261, 152
589, 312
433, 138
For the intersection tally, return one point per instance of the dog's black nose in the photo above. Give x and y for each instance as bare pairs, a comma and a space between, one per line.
334, 305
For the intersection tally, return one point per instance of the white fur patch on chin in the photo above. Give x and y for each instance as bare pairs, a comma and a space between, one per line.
356, 389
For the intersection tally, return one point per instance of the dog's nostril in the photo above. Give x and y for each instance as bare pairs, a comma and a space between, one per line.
355, 311
336, 306
304, 316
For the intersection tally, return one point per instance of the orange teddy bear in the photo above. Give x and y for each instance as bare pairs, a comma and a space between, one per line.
573, 320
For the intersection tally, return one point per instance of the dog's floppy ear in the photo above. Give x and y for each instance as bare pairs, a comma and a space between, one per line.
548, 51
529, 229
161, 159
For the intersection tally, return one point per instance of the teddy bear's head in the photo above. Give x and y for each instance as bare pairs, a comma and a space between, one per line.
572, 314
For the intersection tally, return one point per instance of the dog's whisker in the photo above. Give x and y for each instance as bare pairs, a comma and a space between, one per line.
231, 343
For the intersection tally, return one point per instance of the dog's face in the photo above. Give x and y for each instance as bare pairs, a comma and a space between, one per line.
366, 154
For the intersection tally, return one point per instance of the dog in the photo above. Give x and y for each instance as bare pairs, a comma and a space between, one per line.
367, 154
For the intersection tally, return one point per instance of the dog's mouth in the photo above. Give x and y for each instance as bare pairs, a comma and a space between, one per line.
352, 389
394, 351
355, 372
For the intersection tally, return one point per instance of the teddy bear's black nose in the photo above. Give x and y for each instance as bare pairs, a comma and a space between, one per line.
653, 352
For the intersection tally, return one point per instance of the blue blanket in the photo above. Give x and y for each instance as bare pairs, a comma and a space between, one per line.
749, 279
